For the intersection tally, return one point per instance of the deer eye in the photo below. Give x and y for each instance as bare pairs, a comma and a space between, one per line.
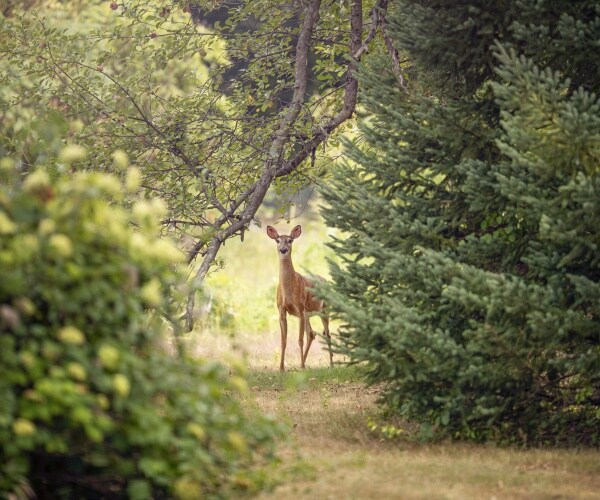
277, 240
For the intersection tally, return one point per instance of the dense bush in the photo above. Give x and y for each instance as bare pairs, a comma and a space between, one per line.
470, 277
92, 402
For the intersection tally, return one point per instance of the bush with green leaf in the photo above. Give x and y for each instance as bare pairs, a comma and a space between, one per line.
93, 402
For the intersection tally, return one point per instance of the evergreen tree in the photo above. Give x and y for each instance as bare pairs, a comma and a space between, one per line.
469, 274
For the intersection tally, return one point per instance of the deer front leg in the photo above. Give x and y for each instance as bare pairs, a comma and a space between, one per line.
310, 336
283, 328
301, 338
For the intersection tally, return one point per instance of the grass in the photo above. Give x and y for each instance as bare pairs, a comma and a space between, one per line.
334, 449
317, 378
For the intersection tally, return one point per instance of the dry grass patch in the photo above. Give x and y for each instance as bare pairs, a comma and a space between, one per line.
331, 453
442, 471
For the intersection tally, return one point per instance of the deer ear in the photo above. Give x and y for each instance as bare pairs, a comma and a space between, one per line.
297, 231
272, 233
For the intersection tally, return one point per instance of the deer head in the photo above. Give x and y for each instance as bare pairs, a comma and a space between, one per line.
284, 241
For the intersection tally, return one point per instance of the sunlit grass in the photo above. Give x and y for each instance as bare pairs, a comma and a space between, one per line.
306, 379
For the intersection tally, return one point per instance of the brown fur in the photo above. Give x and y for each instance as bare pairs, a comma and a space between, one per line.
294, 297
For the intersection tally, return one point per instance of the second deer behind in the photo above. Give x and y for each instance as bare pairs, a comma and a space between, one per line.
295, 297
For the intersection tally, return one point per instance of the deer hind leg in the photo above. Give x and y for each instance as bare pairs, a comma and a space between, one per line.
302, 322
310, 336
283, 328
325, 321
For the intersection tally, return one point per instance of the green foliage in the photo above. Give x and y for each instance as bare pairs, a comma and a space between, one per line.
469, 277
207, 113
93, 401
194, 106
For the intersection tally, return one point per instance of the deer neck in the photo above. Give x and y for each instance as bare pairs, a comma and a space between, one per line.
287, 276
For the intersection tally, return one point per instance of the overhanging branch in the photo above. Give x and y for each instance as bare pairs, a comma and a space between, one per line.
276, 165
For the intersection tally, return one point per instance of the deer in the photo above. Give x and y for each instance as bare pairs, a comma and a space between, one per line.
295, 296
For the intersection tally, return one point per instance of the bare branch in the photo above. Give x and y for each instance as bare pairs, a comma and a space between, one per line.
300, 82
378, 20
350, 95
375, 18
390, 47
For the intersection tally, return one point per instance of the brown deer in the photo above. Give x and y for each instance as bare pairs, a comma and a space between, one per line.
294, 297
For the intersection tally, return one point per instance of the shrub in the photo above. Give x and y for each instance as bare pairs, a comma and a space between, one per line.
93, 404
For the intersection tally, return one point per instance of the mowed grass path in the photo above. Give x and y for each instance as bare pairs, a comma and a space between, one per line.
332, 452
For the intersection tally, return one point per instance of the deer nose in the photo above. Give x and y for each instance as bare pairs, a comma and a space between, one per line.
283, 250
